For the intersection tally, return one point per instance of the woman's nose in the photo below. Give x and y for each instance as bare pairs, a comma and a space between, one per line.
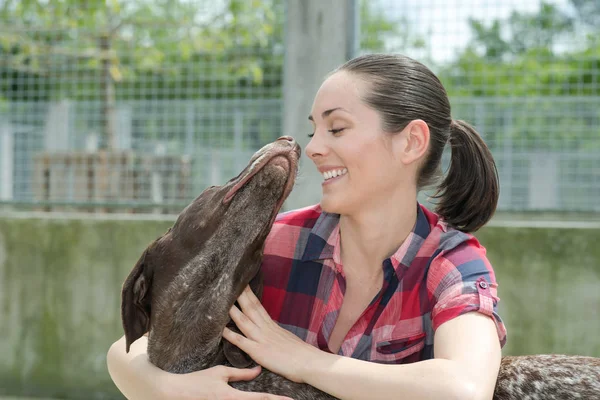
314, 148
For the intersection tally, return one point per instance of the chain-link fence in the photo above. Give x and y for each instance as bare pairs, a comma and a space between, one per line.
134, 104
142, 104
525, 73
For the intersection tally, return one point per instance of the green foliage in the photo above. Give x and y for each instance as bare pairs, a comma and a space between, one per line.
159, 49
381, 33
165, 49
174, 48
588, 12
545, 86
526, 59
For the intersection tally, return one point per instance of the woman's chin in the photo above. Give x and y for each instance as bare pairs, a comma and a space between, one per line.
332, 205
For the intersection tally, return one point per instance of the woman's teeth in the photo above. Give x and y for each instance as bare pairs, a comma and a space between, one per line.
334, 173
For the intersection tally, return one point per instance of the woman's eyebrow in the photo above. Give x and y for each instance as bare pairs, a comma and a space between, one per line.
326, 113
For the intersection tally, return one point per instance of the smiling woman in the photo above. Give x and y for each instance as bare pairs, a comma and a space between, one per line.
370, 294
370, 277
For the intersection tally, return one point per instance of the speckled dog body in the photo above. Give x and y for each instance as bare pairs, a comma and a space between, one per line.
548, 377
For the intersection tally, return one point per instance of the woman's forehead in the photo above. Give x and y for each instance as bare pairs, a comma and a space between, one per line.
339, 90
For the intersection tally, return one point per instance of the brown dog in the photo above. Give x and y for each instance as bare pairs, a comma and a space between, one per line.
185, 282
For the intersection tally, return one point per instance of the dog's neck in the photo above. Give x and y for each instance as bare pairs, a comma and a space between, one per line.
187, 335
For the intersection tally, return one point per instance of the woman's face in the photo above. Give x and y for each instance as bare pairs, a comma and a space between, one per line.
355, 156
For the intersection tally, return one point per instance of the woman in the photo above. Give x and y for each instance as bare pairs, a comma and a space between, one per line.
369, 295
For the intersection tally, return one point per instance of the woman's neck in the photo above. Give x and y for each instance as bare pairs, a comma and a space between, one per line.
369, 237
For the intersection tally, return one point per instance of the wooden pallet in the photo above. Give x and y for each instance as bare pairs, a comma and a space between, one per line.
110, 178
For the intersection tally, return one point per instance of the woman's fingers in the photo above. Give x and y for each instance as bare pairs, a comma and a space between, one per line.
231, 374
252, 307
241, 374
240, 341
245, 324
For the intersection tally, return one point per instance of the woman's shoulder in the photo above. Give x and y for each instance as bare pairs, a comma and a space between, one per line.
449, 242
455, 259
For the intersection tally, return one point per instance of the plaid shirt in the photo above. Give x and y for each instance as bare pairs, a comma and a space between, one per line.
437, 274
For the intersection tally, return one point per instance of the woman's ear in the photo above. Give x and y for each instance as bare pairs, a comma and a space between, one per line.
413, 141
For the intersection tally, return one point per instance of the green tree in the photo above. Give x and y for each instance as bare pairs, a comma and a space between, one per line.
538, 31
113, 48
588, 12
379, 32
528, 60
157, 49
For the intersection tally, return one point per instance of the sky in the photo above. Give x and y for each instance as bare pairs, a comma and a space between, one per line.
444, 23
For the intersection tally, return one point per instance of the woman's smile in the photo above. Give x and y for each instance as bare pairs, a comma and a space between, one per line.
333, 175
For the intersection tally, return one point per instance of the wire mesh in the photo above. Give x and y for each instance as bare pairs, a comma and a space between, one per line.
140, 105
525, 73
136, 105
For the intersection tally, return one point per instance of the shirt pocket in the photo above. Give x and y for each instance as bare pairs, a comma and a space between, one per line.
396, 349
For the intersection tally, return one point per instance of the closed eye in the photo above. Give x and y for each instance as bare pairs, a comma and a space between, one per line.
333, 131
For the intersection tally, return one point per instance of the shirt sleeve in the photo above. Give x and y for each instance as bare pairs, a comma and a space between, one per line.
460, 281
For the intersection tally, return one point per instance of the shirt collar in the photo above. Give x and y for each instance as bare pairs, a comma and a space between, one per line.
324, 240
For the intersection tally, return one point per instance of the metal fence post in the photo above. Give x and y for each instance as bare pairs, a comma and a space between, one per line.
6, 161
57, 126
238, 132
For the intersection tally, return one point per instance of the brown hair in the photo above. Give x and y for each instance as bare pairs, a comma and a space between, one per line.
402, 90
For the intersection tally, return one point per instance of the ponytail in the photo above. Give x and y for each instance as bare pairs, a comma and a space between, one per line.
469, 192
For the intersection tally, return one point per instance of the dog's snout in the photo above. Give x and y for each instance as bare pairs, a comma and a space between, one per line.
288, 138
291, 142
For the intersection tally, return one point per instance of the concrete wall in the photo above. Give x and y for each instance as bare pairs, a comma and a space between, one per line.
549, 280
60, 286
60, 283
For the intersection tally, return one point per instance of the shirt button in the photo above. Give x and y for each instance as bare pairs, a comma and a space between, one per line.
483, 285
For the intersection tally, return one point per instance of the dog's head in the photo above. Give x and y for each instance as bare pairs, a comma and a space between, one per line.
185, 282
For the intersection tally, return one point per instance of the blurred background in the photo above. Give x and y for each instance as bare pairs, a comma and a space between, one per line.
115, 114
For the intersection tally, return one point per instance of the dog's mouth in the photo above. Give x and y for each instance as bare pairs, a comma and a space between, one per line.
286, 159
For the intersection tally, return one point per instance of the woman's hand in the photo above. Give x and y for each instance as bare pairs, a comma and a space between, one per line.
212, 383
266, 342
137, 378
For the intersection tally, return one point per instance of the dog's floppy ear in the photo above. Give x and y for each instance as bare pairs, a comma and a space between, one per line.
135, 302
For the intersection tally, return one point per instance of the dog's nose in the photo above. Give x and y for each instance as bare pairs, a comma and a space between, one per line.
288, 138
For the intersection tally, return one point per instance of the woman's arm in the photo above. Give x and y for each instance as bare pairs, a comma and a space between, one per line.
131, 372
466, 366
137, 378
466, 348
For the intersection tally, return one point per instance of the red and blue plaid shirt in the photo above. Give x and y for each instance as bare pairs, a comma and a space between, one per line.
437, 274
